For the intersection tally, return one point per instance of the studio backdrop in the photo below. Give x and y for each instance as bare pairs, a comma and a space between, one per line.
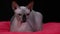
48, 9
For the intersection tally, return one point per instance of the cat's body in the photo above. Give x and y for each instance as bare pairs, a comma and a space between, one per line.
32, 23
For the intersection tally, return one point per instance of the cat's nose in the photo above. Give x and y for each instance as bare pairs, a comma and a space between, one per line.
24, 18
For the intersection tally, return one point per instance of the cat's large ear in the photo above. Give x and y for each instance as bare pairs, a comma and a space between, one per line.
14, 5
30, 5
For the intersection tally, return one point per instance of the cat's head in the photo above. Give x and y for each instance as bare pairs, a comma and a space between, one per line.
22, 12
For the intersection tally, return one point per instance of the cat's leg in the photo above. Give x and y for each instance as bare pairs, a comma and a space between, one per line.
38, 21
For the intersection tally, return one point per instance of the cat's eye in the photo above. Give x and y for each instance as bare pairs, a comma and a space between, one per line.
19, 14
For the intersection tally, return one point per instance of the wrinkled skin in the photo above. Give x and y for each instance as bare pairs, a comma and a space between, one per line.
32, 23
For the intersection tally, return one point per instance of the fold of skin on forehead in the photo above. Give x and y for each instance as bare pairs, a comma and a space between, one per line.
24, 8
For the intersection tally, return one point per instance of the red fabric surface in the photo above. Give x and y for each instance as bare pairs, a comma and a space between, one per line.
48, 28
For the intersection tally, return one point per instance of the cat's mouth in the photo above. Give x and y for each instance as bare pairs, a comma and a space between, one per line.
23, 22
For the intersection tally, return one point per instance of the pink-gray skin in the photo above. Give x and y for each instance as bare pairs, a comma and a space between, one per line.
33, 20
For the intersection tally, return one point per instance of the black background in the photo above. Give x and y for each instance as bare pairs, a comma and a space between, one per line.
49, 10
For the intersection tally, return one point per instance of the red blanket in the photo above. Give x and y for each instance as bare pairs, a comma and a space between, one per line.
48, 28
